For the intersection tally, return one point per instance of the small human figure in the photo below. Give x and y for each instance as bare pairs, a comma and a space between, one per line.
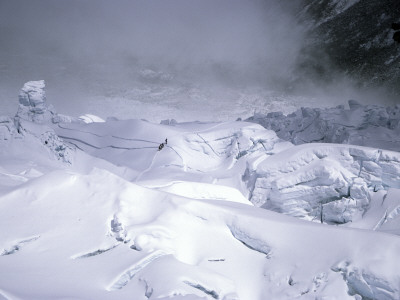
166, 141
161, 146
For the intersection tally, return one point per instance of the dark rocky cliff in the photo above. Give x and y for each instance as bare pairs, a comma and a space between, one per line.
353, 38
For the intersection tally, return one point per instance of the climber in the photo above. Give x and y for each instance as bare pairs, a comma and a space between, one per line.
166, 141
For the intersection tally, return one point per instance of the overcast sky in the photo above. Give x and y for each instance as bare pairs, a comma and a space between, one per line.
78, 46
84, 47
249, 34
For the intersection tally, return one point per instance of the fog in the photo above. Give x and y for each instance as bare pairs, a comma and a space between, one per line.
111, 49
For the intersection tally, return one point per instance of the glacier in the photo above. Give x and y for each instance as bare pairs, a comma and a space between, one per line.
91, 209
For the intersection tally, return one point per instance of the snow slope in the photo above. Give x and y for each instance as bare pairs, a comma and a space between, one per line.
75, 236
114, 218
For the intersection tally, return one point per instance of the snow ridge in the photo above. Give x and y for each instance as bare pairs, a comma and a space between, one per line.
125, 220
370, 125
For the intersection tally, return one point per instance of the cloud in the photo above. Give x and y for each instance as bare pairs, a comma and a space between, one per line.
86, 47
256, 38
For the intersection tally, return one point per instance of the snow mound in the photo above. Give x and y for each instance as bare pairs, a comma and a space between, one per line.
194, 152
114, 239
88, 118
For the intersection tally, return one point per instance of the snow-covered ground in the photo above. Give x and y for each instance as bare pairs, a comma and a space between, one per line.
365, 125
92, 209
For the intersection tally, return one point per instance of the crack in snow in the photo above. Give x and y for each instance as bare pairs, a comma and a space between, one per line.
149, 290
128, 275
364, 283
250, 242
104, 147
212, 149
216, 259
17, 247
105, 136
200, 287
94, 253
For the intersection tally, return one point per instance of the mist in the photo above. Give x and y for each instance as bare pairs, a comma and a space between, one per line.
98, 48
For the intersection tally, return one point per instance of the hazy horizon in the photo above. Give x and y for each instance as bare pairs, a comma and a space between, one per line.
95, 49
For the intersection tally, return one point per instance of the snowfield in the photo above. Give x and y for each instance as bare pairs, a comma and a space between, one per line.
92, 209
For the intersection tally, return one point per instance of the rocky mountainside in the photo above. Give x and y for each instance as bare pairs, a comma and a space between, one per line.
352, 37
